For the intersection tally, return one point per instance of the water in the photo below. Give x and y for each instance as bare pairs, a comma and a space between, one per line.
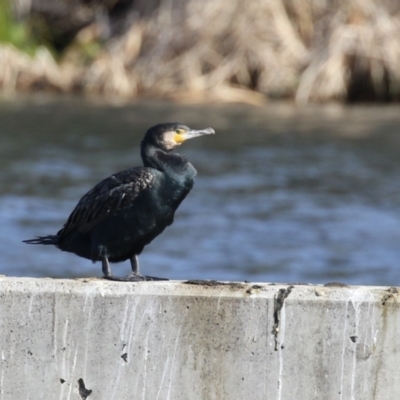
282, 194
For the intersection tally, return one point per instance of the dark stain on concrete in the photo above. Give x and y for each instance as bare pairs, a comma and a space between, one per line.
83, 392
279, 300
336, 284
353, 338
253, 289
213, 283
391, 293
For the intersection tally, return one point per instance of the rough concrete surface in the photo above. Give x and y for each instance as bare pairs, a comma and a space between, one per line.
95, 339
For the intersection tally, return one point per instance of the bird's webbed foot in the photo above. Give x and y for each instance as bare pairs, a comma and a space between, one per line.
129, 278
134, 276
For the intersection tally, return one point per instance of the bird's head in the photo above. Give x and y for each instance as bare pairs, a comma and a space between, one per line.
170, 135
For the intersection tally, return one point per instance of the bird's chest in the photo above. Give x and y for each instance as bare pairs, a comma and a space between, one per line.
175, 190
156, 206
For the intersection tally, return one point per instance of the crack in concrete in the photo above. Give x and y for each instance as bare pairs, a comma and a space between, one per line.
279, 300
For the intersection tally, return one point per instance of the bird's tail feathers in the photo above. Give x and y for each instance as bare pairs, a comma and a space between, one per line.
49, 239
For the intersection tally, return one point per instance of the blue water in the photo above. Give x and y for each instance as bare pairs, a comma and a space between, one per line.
282, 194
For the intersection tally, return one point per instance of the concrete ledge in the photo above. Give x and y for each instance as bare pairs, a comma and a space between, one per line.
77, 339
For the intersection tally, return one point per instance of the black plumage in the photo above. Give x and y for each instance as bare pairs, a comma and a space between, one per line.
116, 219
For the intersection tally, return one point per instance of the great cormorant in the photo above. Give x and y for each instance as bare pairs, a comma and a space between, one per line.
123, 213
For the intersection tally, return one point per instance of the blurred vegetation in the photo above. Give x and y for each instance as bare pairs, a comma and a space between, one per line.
220, 50
18, 34
13, 32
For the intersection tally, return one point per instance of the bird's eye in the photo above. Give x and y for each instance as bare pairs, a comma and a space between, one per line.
179, 131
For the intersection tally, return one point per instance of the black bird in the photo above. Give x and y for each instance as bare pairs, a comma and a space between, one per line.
123, 213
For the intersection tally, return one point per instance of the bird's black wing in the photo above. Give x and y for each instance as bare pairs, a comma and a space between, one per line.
112, 194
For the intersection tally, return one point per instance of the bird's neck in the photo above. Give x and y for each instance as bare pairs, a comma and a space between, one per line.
165, 162
179, 173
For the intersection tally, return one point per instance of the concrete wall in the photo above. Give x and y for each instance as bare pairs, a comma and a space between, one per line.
76, 339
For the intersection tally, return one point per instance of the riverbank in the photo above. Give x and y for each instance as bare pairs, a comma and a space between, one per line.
214, 51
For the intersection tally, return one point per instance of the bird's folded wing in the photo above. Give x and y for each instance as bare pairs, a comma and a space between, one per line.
110, 195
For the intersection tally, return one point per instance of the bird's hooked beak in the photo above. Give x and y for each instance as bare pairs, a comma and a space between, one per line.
190, 134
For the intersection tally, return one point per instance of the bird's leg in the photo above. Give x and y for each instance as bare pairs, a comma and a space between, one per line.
135, 264
134, 276
108, 274
105, 265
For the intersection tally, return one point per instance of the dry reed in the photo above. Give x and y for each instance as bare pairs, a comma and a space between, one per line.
359, 58
227, 51
187, 50
19, 71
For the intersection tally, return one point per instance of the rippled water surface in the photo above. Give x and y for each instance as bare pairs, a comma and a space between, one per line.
282, 194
